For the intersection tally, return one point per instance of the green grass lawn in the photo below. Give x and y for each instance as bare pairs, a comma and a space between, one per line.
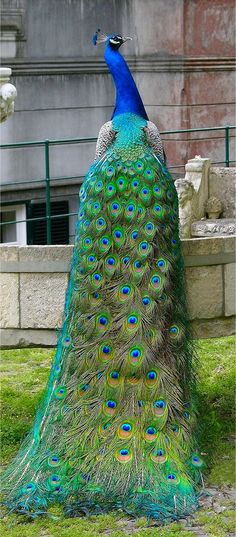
24, 373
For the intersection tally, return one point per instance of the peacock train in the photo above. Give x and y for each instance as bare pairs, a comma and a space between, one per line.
116, 426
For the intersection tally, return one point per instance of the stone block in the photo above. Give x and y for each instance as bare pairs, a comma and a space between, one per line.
230, 289
39, 253
22, 338
9, 311
42, 299
222, 185
208, 245
8, 253
209, 328
204, 291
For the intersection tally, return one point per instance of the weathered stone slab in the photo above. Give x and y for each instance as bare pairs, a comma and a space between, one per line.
205, 292
220, 227
208, 245
230, 289
21, 338
222, 185
38, 258
9, 311
209, 328
8, 253
44, 253
42, 298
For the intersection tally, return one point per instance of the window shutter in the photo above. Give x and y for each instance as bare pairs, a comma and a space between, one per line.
60, 226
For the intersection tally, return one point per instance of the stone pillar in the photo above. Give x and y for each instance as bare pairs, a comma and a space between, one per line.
197, 173
8, 94
193, 194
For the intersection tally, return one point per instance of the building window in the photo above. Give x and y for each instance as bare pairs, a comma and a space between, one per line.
13, 233
37, 231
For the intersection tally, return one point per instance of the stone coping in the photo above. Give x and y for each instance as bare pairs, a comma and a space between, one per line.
57, 258
143, 64
22, 338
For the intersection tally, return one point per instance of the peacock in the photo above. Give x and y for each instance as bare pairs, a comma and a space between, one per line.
116, 426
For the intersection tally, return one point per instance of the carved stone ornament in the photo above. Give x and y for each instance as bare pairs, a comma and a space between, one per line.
214, 228
185, 191
8, 94
214, 208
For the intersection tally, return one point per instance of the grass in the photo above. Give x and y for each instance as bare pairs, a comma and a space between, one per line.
216, 390
24, 373
217, 525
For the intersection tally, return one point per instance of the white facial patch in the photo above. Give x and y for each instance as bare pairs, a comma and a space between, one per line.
115, 41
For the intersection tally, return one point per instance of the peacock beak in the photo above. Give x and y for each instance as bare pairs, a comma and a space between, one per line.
126, 39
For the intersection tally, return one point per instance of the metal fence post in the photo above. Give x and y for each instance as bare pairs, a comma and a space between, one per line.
47, 185
227, 147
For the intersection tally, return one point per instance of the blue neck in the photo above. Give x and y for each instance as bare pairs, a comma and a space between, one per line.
127, 95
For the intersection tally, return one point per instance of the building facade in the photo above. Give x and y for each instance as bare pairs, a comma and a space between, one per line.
181, 55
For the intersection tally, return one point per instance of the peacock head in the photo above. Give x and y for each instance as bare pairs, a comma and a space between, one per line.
114, 40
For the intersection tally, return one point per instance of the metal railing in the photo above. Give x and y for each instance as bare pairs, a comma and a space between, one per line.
46, 144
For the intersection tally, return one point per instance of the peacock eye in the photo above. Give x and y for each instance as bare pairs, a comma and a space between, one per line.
111, 403
126, 290
114, 375
126, 427
135, 353
106, 349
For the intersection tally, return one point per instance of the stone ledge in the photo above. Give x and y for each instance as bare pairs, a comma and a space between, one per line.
145, 64
45, 252
210, 328
64, 266
25, 267
9, 254
203, 260
21, 338
197, 252
38, 258
208, 245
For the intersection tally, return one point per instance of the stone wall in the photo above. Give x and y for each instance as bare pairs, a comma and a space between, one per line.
34, 282
206, 200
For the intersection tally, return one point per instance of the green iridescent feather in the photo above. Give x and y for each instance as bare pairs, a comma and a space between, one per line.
115, 428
